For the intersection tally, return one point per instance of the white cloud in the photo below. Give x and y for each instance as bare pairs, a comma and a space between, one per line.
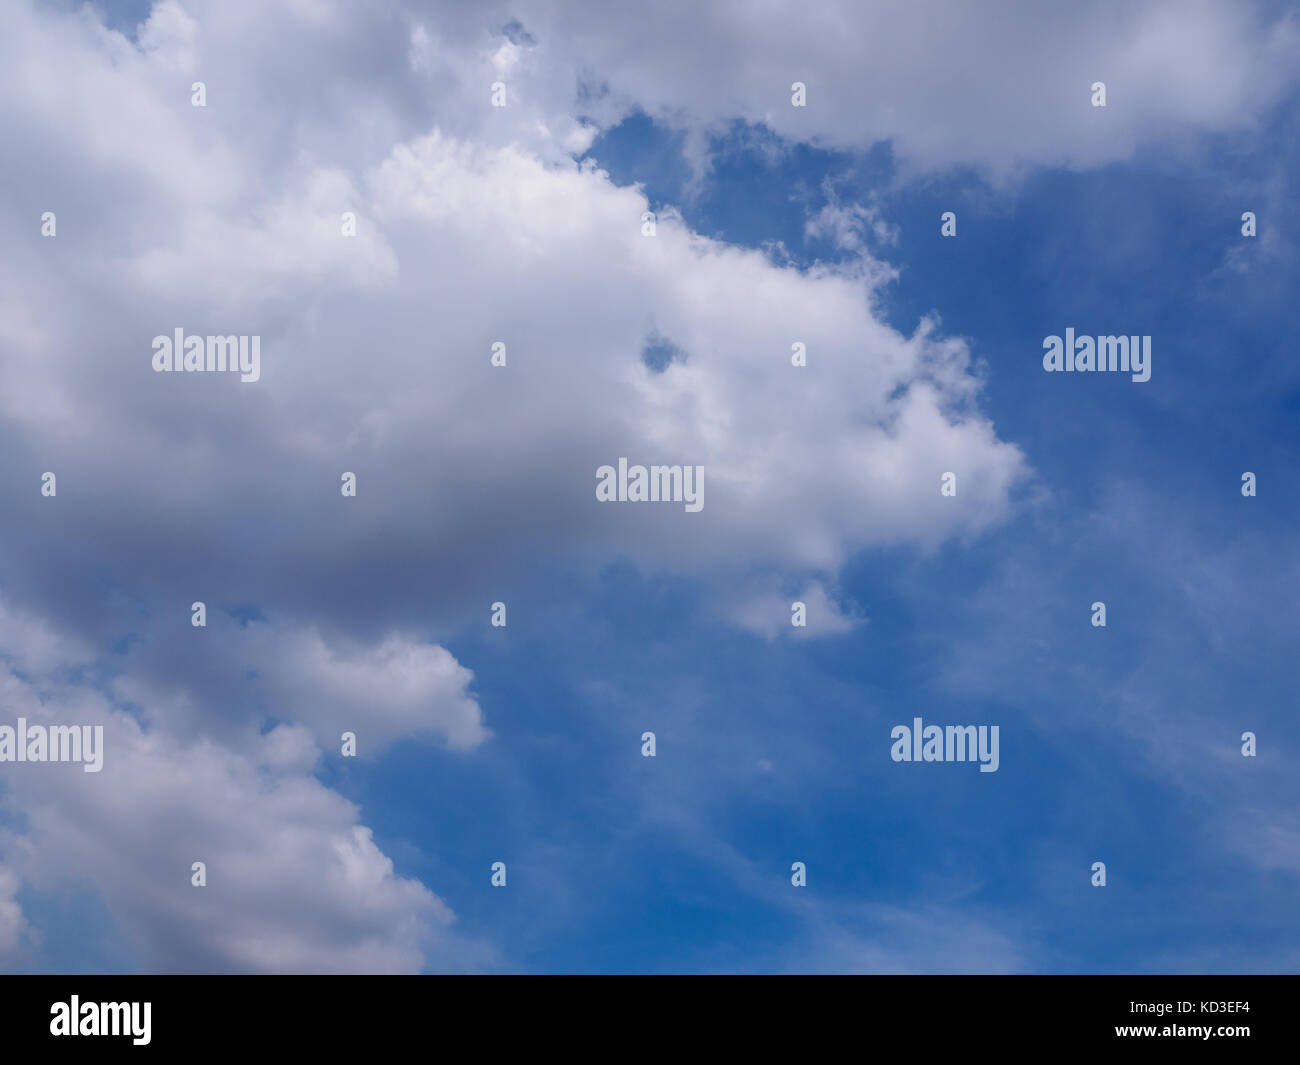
374, 357
399, 687
769, 614
994, 85
168, 36
227, 680
845, 225
294, 882
31, 646
13, 927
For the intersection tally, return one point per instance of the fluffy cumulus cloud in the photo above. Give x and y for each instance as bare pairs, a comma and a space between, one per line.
294, 881
375, 361
474, 225
245, 675
947, 83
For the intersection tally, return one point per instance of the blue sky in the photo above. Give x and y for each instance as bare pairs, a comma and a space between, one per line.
1001, 847
1119, 744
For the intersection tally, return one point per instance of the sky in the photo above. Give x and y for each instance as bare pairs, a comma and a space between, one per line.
774, 225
